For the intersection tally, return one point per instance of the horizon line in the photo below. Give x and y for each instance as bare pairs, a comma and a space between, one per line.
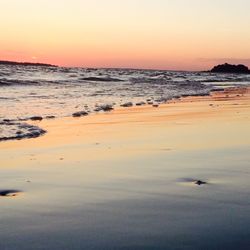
87, 67
115, 68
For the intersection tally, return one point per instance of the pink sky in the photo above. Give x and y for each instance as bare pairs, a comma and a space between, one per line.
163, 34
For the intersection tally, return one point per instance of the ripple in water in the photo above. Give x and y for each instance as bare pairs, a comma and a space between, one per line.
45, 91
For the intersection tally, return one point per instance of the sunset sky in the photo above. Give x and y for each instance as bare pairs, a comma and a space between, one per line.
164, 34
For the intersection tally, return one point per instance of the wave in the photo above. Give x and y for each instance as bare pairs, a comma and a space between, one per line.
46, 91
101, 79
16, 131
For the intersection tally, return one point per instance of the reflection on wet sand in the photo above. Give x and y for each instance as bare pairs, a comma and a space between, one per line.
172, 177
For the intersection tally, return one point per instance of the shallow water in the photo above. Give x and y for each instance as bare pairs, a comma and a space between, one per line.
27, 91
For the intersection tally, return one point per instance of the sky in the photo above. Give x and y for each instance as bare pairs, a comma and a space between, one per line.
160, 34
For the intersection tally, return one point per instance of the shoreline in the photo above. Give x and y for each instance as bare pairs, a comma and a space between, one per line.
35, 131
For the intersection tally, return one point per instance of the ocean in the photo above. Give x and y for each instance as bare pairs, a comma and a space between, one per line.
27, 91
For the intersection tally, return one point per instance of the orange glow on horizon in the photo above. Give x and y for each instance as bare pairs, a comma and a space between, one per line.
133, 34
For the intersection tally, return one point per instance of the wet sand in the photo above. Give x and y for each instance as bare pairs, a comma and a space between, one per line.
127, 179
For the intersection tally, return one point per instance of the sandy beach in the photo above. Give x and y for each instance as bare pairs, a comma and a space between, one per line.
126, 179
125, 125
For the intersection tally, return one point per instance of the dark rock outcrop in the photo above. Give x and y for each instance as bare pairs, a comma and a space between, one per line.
155, 105
50, 117
199, 182
127, 104
9, 192
230, 68
80, 113
104, 107
36, 118
140, 103
193, 181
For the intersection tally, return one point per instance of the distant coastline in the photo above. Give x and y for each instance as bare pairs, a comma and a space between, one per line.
221, 68
3, 62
